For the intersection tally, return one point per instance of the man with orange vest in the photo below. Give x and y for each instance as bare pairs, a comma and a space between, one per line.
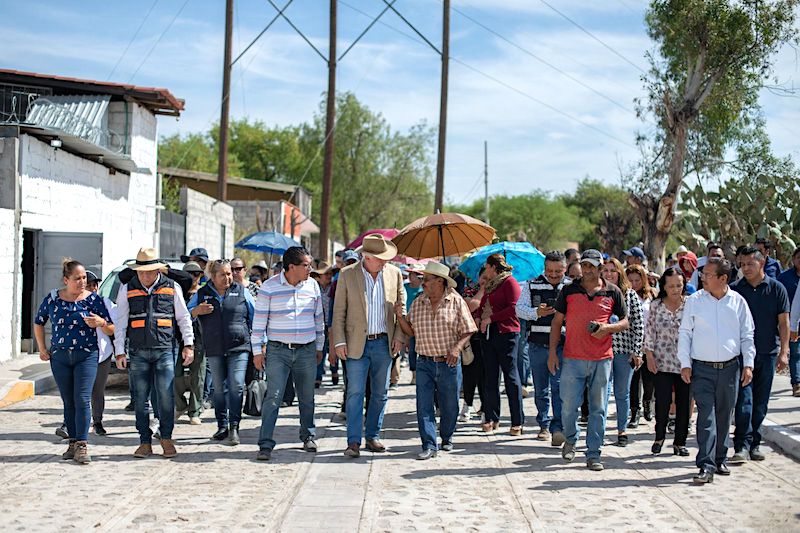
149, 309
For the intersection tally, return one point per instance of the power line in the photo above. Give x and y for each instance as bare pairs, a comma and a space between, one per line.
147, 56
472, 190
544, 61
135, 35
593, 36
504, 84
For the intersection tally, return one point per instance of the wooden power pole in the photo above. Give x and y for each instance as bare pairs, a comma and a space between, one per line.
439, 198
222, 173
330, 122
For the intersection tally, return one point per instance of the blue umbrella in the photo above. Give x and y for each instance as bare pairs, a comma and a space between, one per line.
528, 262
268, 242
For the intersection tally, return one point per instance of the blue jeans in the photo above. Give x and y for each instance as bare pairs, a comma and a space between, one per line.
441, 381
523, 356
412, 354
752, 402
375, 363
794, 362
714, 392
230, 369
545, 386
302, 362
576, 375
153, 368
321, 365
623, 372
75, 372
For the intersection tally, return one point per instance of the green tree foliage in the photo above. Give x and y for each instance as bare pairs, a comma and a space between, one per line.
712, 58
195, 151
613, 221
539, 218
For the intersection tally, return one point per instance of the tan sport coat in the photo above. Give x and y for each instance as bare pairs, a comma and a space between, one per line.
350, 308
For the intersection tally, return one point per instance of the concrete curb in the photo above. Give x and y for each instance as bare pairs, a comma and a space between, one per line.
22, 389
787, 440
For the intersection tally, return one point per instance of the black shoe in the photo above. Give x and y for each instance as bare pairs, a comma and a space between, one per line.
723, 470
757, 455
648, 415
447, 447
99, 429
221, 434
335, 379
622, 440
634, 421
584, 420
656, 447
264, 455
233, 435
129, 407
703, 477
317, 384
683, 451
62, 431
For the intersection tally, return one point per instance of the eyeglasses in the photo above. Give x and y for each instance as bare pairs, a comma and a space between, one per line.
307, 266
238, 269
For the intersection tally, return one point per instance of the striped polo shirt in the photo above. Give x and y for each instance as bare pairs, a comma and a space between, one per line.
288, 313
376, 303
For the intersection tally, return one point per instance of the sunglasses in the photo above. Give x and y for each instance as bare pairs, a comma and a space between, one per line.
196, 274
238, 269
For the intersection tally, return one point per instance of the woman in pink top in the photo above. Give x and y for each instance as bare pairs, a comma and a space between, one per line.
499, 328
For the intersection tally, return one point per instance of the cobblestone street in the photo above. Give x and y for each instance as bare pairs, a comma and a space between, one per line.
486, 484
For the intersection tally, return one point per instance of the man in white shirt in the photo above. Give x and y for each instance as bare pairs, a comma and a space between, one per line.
716, 327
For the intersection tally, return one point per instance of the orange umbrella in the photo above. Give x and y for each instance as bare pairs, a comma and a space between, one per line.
443, 234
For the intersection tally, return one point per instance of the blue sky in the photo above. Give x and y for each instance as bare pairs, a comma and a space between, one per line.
497, 91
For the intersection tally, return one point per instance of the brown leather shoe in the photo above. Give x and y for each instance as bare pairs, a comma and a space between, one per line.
144, 450
374, 445
487, 427
515, 431
352, 451
168, 445
70, 453
796, 390
82, 453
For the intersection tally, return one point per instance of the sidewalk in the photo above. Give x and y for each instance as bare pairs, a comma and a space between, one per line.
23, 378
782, 426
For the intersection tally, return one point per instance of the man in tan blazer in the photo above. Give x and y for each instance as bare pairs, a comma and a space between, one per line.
365, 334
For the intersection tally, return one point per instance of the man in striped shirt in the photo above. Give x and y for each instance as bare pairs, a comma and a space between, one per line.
288, 336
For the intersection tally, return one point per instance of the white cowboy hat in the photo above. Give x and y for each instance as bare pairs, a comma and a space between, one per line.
440, 270
147, 259
377, 246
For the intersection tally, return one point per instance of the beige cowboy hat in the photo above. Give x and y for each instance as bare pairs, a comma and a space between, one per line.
323, 268
440, 270
377, 246
147, 259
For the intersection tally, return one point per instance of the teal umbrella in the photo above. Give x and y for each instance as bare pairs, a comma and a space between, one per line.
528, 262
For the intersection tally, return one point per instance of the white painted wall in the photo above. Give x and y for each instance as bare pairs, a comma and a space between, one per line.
7, 259
205, 217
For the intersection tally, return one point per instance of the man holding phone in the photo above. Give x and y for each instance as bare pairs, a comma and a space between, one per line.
587, 305
537, 305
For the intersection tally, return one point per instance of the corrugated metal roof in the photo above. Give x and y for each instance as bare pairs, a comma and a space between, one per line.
84, 116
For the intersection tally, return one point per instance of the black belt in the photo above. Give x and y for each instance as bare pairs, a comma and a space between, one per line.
289, 345
376, 336
434, 358
718, 366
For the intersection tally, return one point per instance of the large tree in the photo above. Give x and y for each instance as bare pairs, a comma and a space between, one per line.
711, 60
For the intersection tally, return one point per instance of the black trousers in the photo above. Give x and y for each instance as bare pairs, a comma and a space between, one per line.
642, 379
665, 383
472, 374
500, 354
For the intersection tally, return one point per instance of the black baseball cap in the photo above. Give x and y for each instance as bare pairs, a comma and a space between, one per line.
91, 277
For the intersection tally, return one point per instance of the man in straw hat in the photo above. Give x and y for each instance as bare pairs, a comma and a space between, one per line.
148, 308
442, 324
365, 334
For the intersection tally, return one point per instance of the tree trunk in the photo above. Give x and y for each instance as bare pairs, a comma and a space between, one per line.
343, 219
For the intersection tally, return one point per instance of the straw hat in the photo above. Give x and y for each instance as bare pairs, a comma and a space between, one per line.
147, 259
323, 268
440, 270
377, 246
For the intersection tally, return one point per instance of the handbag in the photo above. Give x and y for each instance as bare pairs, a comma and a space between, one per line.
254, 394
467, 355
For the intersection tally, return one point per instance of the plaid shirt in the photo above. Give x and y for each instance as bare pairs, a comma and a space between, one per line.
437, 333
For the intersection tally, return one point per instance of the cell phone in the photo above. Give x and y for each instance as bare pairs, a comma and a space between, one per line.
593, 327
536, 300
551, 302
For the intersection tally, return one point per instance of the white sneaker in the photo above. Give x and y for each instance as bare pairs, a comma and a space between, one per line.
195, 421
465, 414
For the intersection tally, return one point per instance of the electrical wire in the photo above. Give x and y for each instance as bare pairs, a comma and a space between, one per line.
147, 56
135, 35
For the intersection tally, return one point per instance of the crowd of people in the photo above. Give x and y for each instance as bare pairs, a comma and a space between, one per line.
707, 335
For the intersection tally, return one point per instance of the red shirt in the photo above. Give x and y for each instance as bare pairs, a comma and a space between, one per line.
580, 309
504, 306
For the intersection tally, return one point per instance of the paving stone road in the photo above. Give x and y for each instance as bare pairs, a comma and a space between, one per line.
496, 483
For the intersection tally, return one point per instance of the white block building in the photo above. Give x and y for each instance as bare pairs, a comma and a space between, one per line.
78, 178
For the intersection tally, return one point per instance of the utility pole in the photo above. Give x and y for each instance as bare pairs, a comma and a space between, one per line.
222, 173
486, 181
330, 122
439, 198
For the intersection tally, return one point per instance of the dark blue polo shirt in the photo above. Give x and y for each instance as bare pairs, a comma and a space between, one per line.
766, 301
789, 278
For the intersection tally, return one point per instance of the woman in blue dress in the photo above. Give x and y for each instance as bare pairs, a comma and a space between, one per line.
73, 352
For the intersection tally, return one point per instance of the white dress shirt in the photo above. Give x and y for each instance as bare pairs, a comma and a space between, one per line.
794, 317
715, 330
182, 316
